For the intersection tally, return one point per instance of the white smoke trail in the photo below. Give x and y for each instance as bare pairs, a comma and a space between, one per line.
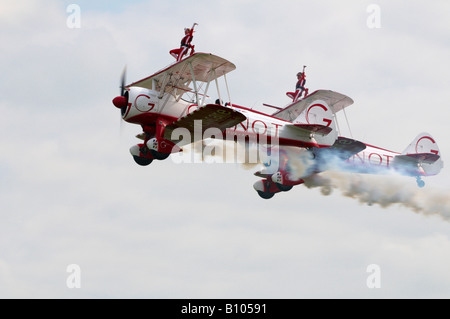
383, 187
222, 151
386, 190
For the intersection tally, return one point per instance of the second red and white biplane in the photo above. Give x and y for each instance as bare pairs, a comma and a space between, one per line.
173, 110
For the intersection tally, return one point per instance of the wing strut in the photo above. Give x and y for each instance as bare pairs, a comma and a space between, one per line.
337, 123
228, 91
163, 86
348, 124
195, 83
217, 85
207, 87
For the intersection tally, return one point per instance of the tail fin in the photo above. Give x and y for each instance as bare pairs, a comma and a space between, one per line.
423, 143
424, 151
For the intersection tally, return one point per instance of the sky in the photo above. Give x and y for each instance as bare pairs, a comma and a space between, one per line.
72, 195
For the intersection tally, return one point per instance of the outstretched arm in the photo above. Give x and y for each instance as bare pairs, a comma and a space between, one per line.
192, 29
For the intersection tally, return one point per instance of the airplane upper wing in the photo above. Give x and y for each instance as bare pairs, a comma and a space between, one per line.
199, 67
336, 101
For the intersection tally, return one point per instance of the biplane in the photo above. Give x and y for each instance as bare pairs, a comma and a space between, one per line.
174, 108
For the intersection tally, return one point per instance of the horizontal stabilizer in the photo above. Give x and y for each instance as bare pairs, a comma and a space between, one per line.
428, 158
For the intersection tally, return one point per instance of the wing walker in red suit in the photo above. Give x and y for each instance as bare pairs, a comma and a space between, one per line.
178, 54
299, 87
175, 108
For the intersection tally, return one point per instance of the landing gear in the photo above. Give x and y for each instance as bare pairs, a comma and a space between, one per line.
142, 161
266, 188
283, 188
141, 155
269, 189
158, 155
144, 156
265, 195
420, 182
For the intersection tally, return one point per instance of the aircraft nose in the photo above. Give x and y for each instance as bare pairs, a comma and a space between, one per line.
120, 101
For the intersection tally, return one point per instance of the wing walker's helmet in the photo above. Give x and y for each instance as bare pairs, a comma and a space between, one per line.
300, 73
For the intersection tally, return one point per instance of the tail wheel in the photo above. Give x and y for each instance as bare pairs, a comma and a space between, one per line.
420, 182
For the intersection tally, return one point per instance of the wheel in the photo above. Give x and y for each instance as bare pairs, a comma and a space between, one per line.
265, 195
142, 161
420, 183
283, 188
158, 155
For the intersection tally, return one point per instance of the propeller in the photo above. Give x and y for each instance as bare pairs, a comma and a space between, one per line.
121, 101
123, 80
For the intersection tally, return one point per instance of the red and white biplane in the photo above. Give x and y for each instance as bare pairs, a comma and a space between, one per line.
175, 100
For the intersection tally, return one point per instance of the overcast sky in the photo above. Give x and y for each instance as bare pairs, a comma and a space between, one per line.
72, 195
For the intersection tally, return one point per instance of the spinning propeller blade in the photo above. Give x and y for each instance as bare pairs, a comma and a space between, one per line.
121, 101
123, 80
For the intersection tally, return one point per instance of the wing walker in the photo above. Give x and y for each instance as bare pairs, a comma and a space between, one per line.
179, 98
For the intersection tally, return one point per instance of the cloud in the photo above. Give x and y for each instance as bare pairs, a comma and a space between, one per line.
71, 193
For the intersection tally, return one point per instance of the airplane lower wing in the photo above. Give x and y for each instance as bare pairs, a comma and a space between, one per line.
208, 116
293, 167
313, 128
343, 148
338, 153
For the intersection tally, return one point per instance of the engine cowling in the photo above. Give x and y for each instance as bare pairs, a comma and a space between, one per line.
137, 101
